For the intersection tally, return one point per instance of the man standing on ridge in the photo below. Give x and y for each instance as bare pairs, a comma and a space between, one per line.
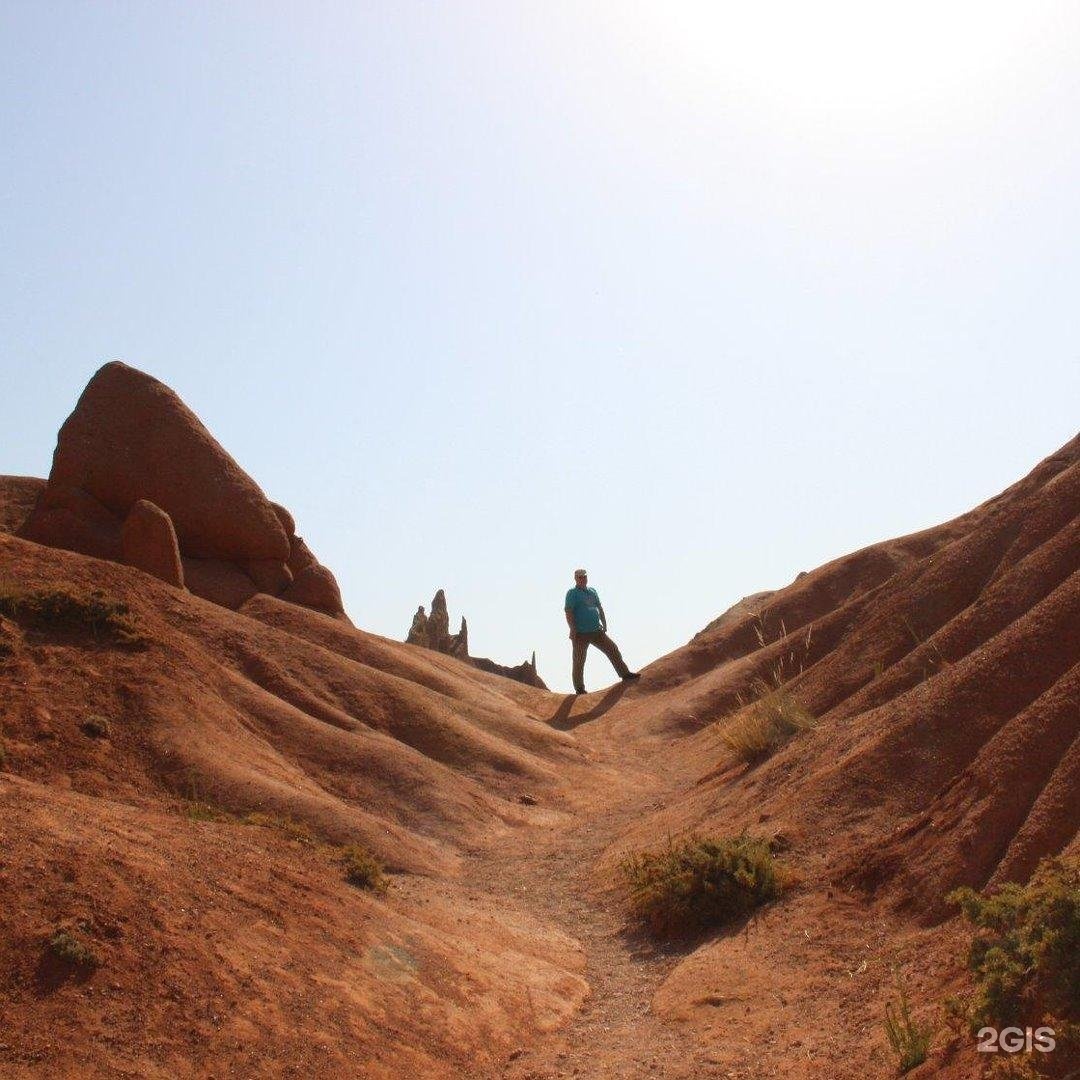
588, 626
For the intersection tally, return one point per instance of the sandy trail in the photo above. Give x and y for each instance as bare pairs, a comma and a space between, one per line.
552, 874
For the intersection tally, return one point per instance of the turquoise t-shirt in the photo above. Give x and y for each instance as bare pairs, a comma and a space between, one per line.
585, 604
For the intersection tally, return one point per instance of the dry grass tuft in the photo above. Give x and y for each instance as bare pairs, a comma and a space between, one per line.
760, 728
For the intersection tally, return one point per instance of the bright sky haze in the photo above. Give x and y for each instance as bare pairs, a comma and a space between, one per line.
696, 295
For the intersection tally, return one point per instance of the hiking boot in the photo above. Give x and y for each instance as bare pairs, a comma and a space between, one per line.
631, 675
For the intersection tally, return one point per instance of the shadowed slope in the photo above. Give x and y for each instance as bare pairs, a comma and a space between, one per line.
258, 952
256, 716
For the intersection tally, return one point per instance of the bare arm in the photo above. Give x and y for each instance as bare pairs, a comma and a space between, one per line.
570, 620
603, 618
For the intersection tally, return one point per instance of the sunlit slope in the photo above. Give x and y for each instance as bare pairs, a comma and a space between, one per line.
942, 670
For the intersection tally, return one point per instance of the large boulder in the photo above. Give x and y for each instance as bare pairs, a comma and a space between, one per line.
148, 541
219, 581
136, 478
271, 575
130, 437
315, 587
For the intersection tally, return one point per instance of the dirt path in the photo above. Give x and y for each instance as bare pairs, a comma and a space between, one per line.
615, 1034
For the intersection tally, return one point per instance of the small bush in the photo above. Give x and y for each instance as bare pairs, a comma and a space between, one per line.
1024, 957
97, 727
761, 728
699, 882
909, 1040
362, 869
62, 609
64, 948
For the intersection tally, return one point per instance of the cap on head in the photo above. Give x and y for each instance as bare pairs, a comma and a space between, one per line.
580, 573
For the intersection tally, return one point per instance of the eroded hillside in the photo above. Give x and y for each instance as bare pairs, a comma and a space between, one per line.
178, 790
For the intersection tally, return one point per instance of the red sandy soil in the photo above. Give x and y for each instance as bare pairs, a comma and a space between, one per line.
943, 670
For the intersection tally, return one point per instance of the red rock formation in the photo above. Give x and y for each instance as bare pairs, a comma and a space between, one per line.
219, 581
72, 519
18, 497
132, 439
315, 587
271, 575
433, 632
148, 541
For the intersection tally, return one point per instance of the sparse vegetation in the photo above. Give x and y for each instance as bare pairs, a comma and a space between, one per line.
65, 948
768, 716
57, 608
933, 660
1014, 1067
362, 869
1024, 956
97, 727
699, 882
197, 810
293, 829
760, 728
910, 1040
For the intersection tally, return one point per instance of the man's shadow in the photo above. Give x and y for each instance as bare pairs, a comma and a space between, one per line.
563, 721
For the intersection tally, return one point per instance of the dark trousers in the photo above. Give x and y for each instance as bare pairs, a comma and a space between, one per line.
599, 638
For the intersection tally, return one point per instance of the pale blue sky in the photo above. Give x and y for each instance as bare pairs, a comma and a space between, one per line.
698, 295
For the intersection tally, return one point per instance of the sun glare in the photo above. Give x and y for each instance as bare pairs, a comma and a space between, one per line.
847, 56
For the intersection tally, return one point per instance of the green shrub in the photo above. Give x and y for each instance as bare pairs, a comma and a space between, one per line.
68, 950
63, 609
909, 1040
698, 882
362, 869
1024, 957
